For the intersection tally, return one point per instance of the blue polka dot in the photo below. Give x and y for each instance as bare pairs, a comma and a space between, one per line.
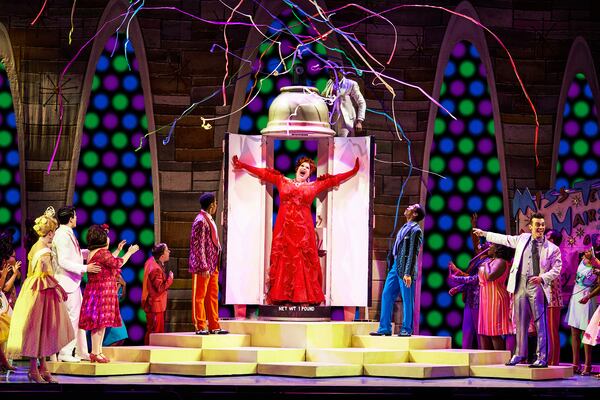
129, 160
447, 184
276, 26
587, 91
245, 123
443, 332
269, 101
476, 127
443, 300
100, 140
130, 83
445, 222
128, 235
128, 198
443, 259
563, 148
446, 145
499, 185
475, 165
590, 128
151, 217
129, 47
101, 101
99, 217
274, 65
277, 145
590, 167
99, 178
130, 121
470, 244
474, 203
127, 274
567, 110
448, 104
500, 224
450, 69
561, 183
103, 63
12, 196
474, 52
16, 236
250, 85
75, 198
476, 88
11, 120
563, 339
127, 313
12, 158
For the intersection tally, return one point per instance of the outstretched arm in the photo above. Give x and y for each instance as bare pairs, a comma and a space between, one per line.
265, 174
328, 181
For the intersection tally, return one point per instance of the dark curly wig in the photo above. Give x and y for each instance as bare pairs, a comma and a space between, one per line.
6, 245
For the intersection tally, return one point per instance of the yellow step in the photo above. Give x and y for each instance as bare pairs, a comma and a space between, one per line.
253, 354
521, 372
357, 356
190, 339
293, 334
401, 343
459, 356
203, 368
152, 353
99, 369
310, 369
416, 370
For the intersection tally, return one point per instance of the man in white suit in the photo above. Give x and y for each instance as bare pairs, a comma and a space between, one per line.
69, 273
536, 264
344, 91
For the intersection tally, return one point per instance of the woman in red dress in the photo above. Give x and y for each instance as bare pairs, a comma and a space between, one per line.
100, 305
295, 273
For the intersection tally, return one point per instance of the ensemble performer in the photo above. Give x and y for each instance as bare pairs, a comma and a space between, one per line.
555, 304
536, 264
154, 289
346, 119
69, 273
40, 324
295, 272
100, 305
7, 264
205, 251
403, 275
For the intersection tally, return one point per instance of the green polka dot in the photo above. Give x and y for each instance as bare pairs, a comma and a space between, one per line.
91, 121
580, 76
464, 222
581, 147
577, 180
144, 122
493, 204
443, 89
321, 83
459, 302
296, 27
435, 280
147, 237
466, 107
466, 145
491, 128
434, 319
462, 260
2, 67
320, 49
5, 138
83, 237
141, 275
95, 83
292, 145
5, 100
265, 48
119, 140
5, 177
465, 184
435, 241
120, 63
4, 215
120, 102
141, 314
436, 203
558, 166
89, 197
146, 160
147, 198
467, 69
437, 164
266, 86
261, 122
439, 127
85, 278
118, 217
90, 159
493, 166
458, 339
581, 109
118, 179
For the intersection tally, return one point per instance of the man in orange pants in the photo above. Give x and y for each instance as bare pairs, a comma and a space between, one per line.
204, 267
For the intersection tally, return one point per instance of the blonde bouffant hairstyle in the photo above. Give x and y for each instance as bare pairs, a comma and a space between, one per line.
45, 223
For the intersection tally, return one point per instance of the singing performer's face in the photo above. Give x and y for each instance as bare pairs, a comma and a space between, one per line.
303, 172
537, 227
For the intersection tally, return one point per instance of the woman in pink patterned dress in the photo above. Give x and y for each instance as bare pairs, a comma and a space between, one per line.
100, 305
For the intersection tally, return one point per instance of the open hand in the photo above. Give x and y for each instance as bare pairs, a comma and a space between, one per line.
407, 280
93, 268
479, 232
453, 291
133, 249
121, 244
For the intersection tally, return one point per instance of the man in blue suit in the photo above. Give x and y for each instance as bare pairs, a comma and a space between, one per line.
403, 274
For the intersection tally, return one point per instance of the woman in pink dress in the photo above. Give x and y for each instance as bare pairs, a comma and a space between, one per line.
295, 273
100, 305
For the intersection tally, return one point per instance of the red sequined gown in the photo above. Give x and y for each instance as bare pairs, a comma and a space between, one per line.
295, 272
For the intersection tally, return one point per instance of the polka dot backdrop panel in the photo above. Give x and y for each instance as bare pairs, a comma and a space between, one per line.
114, 182
10, 177
255, 115
464, 152
286, 154
579, 147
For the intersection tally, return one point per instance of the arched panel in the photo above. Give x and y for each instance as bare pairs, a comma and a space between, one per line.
12, 166
467, 155
577, 135
115, 182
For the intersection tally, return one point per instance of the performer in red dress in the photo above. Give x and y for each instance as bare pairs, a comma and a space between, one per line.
100, 305
295, 272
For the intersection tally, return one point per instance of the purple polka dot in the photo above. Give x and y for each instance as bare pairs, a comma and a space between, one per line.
138, 102
137, 217
112, 235
135, 332
135, 65
485, 107
428, 222
256, 65
109, 159
85, 140
596, 147
426, 300
431, 182
109, 198
459, 50
283, 162
286, 47
456, 165
456, 203
277, 201
311, 145
135, 294
1, 80
484, 184
433, 146
457, 88
110, 121
81, 179
111, 83
283, 82
255, 105
427, 261
82, 216
18, 178
482, 71
110, 44
485, 146
457, 126
571, 167
138, 257
484, 222
454, 241
138, 179
571, 128
425, 332
454, 319
574, 90
0, 114
313, 67
135, 139
18, 215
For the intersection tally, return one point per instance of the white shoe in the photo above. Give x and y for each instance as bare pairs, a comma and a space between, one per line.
84, 357
68, 358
